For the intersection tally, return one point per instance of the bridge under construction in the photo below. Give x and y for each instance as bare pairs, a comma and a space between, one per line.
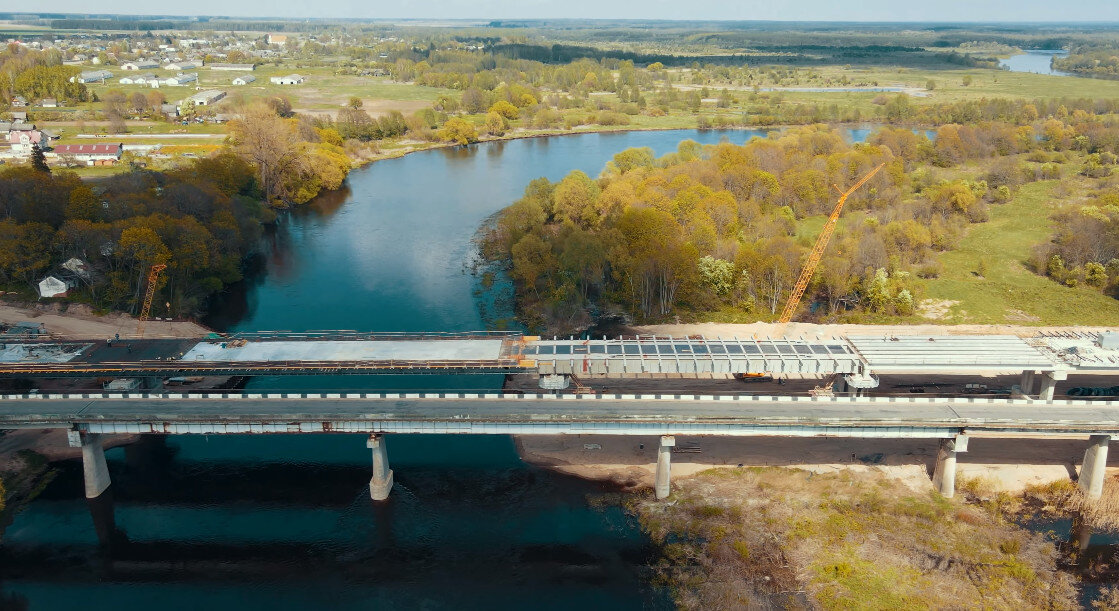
856, 357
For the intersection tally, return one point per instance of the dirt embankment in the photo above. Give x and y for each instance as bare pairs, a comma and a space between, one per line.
801, 329
1009, 465
78, 320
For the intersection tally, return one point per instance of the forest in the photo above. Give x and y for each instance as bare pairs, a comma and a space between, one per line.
201, 221
726, 228
1100, 61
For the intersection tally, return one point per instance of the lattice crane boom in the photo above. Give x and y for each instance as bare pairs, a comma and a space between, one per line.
146, 311
818, 249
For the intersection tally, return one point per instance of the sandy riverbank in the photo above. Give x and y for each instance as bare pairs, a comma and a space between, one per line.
79, 321
1006, 464
52, 444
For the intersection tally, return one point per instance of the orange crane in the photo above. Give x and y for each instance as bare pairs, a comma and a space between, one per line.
818, 251
153, 275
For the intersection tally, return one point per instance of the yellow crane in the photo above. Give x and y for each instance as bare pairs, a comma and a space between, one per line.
818, 251
146, 311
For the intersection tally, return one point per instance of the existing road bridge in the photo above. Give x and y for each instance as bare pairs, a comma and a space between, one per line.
88, 416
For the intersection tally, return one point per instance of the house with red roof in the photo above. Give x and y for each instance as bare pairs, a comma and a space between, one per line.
89, 154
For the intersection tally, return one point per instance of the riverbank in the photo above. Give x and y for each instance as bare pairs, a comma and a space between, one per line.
789, 538
78, 320
416, 146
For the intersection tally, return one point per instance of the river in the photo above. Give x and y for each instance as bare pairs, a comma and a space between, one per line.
285, 522
1038, 61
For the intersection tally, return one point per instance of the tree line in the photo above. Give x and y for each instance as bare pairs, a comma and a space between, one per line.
726, 228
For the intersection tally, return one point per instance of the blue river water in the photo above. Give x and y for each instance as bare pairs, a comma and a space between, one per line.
1037, 61
285, 522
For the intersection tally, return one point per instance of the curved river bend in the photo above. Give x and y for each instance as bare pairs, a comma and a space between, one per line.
285, 522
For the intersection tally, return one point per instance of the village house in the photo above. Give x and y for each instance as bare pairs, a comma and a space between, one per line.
53, 286
244, 79
19, 102
22, 137
290, 79
89, 154
277, 39
48, 103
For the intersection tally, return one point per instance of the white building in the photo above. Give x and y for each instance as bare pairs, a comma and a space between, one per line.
234, 67
53, 286
244, 79
139, 79
181, 79
92, 76
205, 98
145, 64
290, 79
182, 66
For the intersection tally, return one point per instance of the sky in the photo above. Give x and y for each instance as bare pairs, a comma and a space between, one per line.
774, 10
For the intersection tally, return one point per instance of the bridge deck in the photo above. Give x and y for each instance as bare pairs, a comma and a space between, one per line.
556, 414
356, 353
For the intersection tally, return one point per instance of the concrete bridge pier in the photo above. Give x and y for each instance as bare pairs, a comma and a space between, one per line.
1090, 481
94, 469
944, 474
663, 485
1049, 381
1027, 383
381, 484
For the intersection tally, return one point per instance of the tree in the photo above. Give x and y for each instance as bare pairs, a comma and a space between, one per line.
495, 124
39, 160
505, 109
271, 145
576, 200
458, 130
114, 104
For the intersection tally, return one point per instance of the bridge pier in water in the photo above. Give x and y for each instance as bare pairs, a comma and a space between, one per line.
1091, 477
94, 470
944, 474
381, 483
663, 483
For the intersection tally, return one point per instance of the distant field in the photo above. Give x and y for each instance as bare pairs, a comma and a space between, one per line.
322, 91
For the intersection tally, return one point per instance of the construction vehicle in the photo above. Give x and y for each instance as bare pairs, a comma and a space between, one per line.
818, 250
810, 266
146, 311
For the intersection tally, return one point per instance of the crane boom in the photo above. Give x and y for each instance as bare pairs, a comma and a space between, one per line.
818, 250
153, 275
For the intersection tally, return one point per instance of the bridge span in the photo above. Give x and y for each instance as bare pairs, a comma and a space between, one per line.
857, 358
952, 420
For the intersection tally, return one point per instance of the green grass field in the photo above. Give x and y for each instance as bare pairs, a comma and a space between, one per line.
1011, 292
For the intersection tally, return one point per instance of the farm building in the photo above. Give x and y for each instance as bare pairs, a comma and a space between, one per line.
90, 154
290, 79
